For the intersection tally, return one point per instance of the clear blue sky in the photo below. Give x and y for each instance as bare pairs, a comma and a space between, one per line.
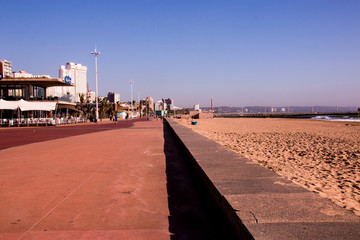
241, 53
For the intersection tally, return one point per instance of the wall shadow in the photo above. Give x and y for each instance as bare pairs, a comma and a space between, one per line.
193, 212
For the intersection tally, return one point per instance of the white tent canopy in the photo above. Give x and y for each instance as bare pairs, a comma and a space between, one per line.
32, 106
27, 106
8, 105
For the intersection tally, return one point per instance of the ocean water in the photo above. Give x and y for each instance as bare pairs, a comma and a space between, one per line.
337, 118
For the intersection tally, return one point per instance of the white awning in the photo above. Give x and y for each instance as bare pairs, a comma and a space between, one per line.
27, 106
33, 106
8, 105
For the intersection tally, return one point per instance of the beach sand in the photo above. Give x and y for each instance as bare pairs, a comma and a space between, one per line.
322, 156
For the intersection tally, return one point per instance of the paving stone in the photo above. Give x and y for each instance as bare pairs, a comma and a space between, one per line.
289, 207
278, 185
107, 184
305, 231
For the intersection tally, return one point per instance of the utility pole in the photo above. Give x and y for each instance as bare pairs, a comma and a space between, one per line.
96, 84
131, 90
139, 104
212, 108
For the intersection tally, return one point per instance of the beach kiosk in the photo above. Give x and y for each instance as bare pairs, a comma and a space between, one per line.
24, 101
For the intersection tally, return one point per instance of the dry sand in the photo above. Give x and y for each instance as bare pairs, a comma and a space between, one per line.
322, 156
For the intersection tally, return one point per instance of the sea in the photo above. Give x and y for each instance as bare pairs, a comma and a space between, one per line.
337, 118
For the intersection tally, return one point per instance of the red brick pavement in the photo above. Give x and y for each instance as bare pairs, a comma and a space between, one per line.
15, 136
101, 185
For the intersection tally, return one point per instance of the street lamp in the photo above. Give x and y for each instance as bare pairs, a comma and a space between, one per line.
131, 90
96, 84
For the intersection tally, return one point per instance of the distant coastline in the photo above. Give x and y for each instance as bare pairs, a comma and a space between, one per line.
283, 109
331, 113
341, 116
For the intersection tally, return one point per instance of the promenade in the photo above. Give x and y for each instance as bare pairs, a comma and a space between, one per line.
141, 179
89, 181
259, 203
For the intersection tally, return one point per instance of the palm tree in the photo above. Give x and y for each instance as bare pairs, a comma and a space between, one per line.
105, 107
82, 103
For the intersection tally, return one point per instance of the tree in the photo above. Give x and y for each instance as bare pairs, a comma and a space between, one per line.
104, 108
82, 102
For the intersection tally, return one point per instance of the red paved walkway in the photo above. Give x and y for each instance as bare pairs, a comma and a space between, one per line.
102, 185
15, 136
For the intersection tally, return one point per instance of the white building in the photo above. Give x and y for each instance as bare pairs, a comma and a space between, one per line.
170, 103
24, 74
91, 96
160, 105
75, 74
149, 103
113, 97
101, 98
197, 107
5, 68
117, 97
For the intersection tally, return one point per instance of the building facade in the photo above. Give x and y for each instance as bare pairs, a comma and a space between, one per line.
170, 103
160, 105
21, 74
28, 88
24, 74
75, 74
150, 103
113, 97
197, 107
5, 68
91, 96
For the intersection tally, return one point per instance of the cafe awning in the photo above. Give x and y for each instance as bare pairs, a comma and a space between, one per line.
8, 105
36, 106
27, 106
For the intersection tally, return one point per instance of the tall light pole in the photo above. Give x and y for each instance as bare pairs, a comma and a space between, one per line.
131, 90
96, 84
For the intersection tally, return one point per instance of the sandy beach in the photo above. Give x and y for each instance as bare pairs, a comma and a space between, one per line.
322, 156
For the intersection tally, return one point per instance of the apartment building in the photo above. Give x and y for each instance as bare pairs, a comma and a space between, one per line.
74, 74
5, 68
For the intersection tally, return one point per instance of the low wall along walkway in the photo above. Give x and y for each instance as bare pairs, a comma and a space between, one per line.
259, 203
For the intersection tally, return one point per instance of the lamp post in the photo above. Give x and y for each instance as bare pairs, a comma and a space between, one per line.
96, 84
131, 90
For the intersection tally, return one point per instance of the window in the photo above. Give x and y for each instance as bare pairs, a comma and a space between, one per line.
14, 91
10, 92
18, 92
38, 92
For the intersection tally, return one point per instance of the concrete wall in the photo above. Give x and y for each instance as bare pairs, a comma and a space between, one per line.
259, 203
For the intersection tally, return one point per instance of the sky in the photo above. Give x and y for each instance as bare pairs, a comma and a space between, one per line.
240, 53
